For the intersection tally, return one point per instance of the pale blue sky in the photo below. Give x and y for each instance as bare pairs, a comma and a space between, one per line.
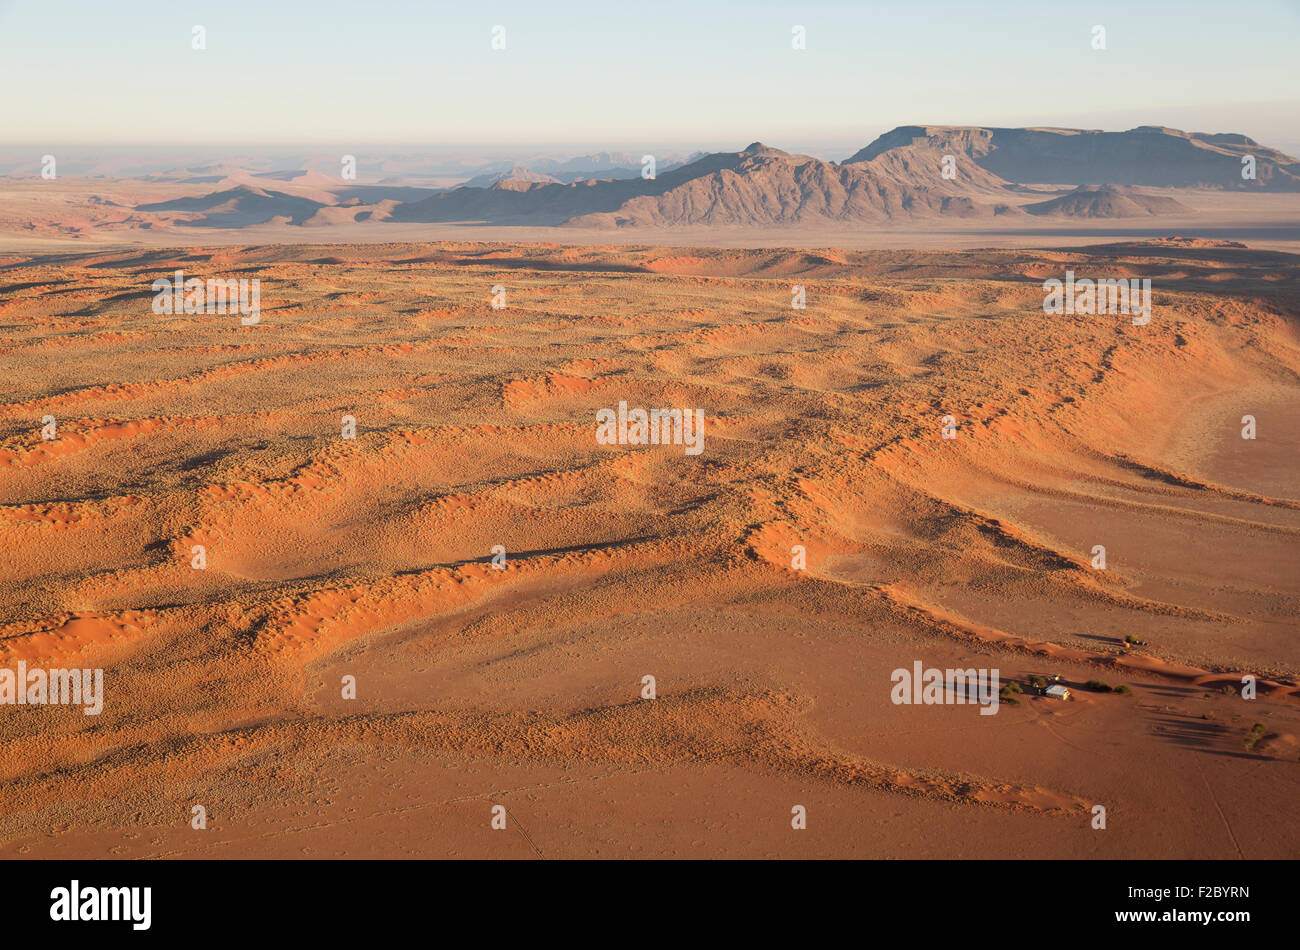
627, 73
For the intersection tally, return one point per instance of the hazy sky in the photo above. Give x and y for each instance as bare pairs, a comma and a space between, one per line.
706, 73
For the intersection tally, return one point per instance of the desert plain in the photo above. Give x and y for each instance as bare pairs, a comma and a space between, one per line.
371, 557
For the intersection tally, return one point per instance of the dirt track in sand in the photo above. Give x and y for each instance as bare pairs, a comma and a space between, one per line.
475, 427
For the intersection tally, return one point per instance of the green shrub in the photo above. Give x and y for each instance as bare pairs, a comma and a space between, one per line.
1097, 686
1123, 689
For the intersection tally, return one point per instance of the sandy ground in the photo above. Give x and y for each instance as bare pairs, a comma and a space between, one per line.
370, 557
84, 214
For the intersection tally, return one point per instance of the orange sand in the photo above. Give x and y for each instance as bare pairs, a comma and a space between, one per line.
475, 427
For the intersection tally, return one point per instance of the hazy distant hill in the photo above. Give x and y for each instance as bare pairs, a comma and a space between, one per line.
241, 206
516, 173
1106, 201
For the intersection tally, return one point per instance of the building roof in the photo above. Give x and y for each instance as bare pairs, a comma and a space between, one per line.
1057, 690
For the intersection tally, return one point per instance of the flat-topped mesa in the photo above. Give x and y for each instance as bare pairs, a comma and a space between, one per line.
966, 138
1149, 155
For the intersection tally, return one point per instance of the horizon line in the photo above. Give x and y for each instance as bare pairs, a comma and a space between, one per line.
600, 145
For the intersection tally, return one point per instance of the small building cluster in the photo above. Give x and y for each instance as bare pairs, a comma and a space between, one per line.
1052, 687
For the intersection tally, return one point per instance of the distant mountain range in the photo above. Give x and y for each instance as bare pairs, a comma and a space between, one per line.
908, 173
